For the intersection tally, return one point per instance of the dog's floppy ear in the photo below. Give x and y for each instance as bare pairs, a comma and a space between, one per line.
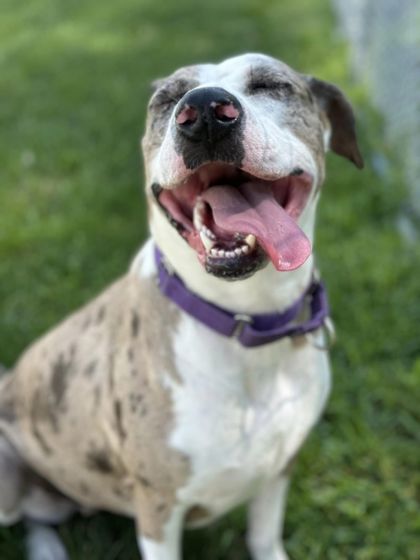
340, 114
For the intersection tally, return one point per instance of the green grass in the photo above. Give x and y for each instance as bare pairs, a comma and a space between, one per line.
74, 83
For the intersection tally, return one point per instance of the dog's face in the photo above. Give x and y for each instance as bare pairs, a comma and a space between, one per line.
234, 157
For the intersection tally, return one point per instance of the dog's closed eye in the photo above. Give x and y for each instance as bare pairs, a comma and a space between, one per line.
166, 98
169, 93
265, 81
270, 86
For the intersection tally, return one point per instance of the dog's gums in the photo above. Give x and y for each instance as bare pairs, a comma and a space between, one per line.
234, 220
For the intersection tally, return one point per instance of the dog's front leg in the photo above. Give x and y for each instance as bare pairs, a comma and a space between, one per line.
159, 530
265, 521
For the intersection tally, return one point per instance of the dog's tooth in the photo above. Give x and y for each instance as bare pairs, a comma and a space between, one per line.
198, 224
209, 233
238, 251
221, 253
214, 252
198, 213
245, 249
208, 243
251, 240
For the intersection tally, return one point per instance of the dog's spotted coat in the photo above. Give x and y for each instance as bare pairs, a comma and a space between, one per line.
132, 406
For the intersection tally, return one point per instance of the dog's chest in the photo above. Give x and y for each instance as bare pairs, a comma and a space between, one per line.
241, 414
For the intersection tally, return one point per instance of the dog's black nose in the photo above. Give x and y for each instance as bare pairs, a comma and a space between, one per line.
208, 114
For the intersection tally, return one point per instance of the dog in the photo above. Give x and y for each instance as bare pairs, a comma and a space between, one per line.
188, 387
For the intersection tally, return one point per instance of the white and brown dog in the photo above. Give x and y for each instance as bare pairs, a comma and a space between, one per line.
149, 401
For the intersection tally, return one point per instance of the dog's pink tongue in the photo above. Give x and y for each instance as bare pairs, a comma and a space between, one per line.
252, 208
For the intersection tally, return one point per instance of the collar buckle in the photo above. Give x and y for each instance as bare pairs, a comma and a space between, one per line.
241, 320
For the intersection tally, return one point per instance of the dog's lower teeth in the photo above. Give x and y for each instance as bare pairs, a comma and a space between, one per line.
209, 240
227, 254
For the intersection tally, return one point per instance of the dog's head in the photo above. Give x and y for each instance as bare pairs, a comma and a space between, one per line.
234, 157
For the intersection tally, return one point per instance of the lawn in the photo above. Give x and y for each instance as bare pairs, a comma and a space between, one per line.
74, 84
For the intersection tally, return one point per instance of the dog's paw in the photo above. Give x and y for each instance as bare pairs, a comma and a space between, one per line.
43, 543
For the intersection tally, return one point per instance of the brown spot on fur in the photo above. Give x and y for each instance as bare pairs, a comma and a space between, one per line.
119, 420
61, 369
90, 368
196, 514
42, 443
100, 316
119, 492
135, 323
111, 372
135, 402
130, 355
98, 460
42, 410
84, 489
144, 481
7, 401
86, 323
7, 413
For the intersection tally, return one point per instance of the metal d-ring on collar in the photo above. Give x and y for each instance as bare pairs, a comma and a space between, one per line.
250, 330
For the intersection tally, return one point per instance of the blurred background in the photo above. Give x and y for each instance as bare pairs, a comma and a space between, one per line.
74, 83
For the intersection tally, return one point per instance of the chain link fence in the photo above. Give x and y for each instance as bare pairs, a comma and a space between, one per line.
385, 40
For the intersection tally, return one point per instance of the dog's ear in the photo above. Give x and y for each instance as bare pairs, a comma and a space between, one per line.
340, 115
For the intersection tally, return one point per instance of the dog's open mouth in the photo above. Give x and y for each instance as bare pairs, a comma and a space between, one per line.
234, 220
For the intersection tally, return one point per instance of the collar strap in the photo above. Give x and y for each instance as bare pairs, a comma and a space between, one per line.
250, 330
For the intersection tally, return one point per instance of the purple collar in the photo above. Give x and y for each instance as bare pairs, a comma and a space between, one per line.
250, 330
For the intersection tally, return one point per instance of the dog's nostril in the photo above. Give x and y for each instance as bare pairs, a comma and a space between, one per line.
225, 112
188, 115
